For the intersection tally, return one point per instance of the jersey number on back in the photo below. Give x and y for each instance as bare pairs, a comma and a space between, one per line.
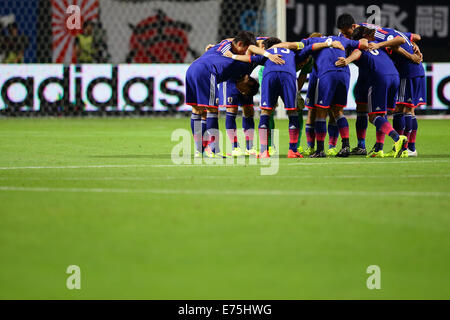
275, 50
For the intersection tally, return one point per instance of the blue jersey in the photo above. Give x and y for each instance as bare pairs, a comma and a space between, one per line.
326, 58
290, 57
222, 67
376, 62
405, 67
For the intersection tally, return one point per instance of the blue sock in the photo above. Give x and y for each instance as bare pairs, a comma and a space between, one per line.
203, 127
212, 126
412, 137
399, 122
344, 131
320, 129
333, 134
361, 128
263, 131
248, 124
408, 125
384, 126
230, 126
196, 128
310, 135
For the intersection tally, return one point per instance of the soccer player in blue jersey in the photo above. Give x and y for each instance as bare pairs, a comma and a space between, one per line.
331, 89
383, 85
305, 68
333, 131
404, 117
280, 81
345, 24
202, 77
412, 91
231, 98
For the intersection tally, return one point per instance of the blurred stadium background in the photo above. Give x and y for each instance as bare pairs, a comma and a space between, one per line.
140, 49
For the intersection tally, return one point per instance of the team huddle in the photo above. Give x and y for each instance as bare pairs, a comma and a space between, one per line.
391, 78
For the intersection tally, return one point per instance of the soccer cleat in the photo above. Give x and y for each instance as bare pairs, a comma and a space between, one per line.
263, 155
216, 155
237, 152
251, 152
318, 154
332, 152
344, 152
404, 154
208, 152
412, 153
300, 149
292, 154
375, 154
272, 150
309, 151
400, 146
198, 154
357, 151
390, 154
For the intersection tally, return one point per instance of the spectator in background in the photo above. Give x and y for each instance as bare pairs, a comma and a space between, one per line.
14, 45
84, 44
100, 44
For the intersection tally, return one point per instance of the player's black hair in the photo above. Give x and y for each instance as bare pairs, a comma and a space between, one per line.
246, 37
269, 42
345, 20
362, 32
253, 86
248, 86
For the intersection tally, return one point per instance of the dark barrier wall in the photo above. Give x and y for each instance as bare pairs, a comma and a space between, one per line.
428, 18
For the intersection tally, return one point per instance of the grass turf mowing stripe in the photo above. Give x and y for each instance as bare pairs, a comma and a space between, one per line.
231, 192
405, 176
368, 161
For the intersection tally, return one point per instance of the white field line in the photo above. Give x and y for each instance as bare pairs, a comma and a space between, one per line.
201, 177
299, 163
367, 162
230, 192
115, 166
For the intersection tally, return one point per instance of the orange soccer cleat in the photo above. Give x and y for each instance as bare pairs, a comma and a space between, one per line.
263, 155
292, 154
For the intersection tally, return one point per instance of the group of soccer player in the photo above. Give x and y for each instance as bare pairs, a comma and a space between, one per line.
391, 78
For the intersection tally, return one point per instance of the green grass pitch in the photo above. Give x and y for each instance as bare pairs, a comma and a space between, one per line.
145, 229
